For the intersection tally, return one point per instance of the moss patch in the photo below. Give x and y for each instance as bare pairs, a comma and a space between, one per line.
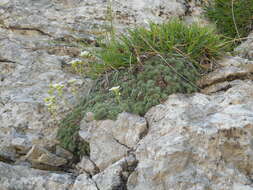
142, 86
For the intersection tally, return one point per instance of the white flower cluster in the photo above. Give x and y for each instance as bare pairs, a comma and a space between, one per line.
75, 61
115, 88
85, 54
57, 86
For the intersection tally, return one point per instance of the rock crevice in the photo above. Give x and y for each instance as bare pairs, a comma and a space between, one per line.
15, 28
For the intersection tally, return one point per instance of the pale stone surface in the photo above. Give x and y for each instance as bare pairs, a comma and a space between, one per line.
232, 71
61, 152
37, 39
29, 63
84, 182
110, 178
242, 187
104, 148
39, 155
194, 142
87, 166
22, 145
24, 178
111, 140
198, 142
128, 129
115, 176
224, 73
246, 48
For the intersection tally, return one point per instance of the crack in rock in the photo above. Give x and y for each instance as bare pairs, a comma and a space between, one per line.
6, 60
121, 143
41, 32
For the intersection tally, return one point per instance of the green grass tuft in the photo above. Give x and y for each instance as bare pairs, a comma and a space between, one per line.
199, 44
234, 20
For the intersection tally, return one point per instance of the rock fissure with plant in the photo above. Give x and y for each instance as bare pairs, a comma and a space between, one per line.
163, 60
170, 106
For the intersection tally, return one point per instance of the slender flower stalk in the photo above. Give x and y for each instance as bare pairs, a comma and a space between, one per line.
116, 91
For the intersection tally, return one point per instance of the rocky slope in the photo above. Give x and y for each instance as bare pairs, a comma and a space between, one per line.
199, 141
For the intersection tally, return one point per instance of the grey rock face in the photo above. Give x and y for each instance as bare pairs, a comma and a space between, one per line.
246, 48
38, 155
37, 39
29, 62
116, 175
87, 166
24, 178
112, 140
232, 69
63, 153
113, 177
129, 129
198, 142
83, 181
104, 149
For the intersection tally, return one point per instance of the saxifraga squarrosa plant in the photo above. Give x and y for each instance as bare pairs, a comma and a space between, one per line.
234, 18
148, 65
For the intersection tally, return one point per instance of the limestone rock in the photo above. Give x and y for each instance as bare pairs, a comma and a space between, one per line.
198, 142
22, 177
224, 74
231, 71
246, 48
42, 156
113, 177
111, 140
37, 39
89, 117
242, 187
193, 141
87, 166
21, 144
129, 129
84, 182
110, 178
61, 152
104, 148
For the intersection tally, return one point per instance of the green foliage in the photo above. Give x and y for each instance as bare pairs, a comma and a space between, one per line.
198, 44
148, 65
231, 18
68, 132
142, 87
